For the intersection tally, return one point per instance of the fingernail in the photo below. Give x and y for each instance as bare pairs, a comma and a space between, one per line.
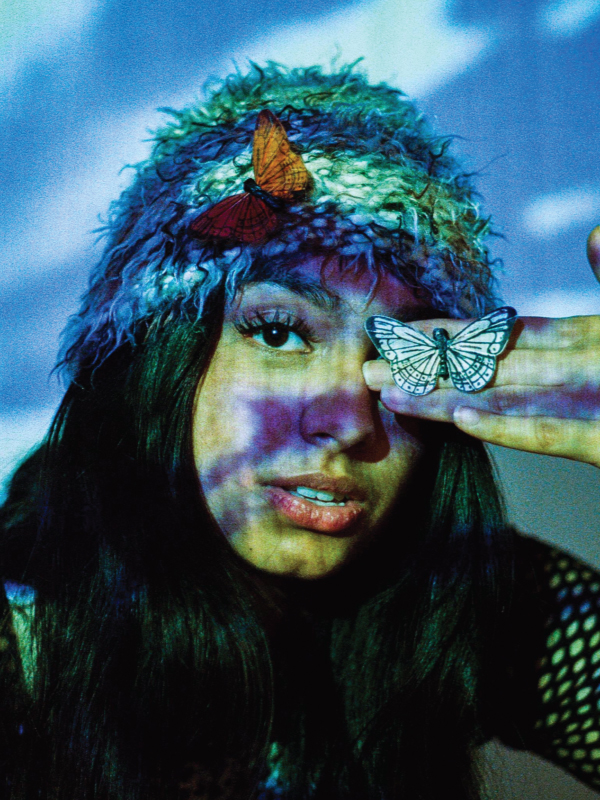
467, 416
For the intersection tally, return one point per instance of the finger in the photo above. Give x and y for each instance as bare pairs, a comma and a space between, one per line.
524, 368
593, 251
535, 333
514, 401
575, 439
377, 374
548, 368
568, 333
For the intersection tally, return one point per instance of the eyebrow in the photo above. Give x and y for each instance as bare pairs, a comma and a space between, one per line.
313, 290
308, 288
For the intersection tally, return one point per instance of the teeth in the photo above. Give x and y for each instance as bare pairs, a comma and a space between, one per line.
304, 491
319, 498
311, 494
326, 497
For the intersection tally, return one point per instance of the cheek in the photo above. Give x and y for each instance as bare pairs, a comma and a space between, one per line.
239, 431
406, 441
238, 424
405, 434
216, 428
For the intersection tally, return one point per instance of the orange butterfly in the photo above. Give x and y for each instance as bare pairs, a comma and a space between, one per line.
279, 175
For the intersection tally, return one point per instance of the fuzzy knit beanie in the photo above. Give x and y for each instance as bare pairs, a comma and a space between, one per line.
385, 193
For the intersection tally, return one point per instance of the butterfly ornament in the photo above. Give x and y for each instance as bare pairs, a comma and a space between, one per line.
468, 359
280, 176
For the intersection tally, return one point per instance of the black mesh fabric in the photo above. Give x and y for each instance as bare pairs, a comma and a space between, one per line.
543, 688
551, 699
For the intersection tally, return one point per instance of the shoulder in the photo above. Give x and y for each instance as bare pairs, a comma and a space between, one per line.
554, 665
560, 566
557, 587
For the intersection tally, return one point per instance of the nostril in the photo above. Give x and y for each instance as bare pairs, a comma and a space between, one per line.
344, 419
323, 438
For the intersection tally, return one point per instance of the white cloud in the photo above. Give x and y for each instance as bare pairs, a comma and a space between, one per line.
552, 214
31, 30
412, 44
57, 222
560, 303
568, 17
19, 434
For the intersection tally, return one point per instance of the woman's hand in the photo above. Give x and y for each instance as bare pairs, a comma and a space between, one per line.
544, 397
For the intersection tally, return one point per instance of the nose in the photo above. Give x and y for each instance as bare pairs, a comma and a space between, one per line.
340, 414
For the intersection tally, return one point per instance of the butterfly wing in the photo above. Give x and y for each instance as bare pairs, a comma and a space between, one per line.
470, 372
472, 353
414, 357
277, 169
242, 217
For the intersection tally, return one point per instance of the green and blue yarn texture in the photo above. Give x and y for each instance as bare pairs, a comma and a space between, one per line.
386, 193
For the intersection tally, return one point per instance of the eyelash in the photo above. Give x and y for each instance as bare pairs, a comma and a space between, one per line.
259, 322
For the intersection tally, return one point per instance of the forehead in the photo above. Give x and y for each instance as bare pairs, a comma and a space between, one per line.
337, 287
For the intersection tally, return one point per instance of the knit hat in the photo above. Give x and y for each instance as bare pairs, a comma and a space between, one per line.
385, 192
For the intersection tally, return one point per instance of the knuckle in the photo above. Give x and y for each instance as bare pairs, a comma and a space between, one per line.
587, 368
500, 403
393, 397
548, 368
546, 434
504, 402
571, 332
578, 332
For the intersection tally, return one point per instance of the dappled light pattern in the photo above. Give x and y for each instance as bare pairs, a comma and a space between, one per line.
567, 723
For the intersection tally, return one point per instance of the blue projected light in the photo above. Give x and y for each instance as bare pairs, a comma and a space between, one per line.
518, 84
19, 594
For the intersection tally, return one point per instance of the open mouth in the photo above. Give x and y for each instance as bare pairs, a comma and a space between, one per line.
326, 499
315, 509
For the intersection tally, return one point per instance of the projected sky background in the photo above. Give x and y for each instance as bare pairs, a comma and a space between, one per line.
517, 81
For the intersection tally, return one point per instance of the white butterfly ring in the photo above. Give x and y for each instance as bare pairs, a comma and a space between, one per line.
468, 359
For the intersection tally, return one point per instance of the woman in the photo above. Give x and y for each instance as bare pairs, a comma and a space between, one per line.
255, 574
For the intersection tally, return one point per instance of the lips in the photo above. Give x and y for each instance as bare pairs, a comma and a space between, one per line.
331, 505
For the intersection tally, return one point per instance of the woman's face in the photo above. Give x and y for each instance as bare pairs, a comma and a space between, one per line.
298, 461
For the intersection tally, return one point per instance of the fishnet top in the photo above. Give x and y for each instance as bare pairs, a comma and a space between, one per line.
551, 700
545, 693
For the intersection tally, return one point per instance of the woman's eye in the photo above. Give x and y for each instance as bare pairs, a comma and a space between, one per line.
276, 334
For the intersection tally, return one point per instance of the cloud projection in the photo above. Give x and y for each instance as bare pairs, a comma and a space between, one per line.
83, 82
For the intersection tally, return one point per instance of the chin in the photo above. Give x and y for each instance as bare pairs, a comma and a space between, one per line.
308, 556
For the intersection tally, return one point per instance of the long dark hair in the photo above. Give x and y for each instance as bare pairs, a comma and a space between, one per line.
159, 667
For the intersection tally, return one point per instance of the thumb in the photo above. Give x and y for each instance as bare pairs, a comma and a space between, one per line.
593, 250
